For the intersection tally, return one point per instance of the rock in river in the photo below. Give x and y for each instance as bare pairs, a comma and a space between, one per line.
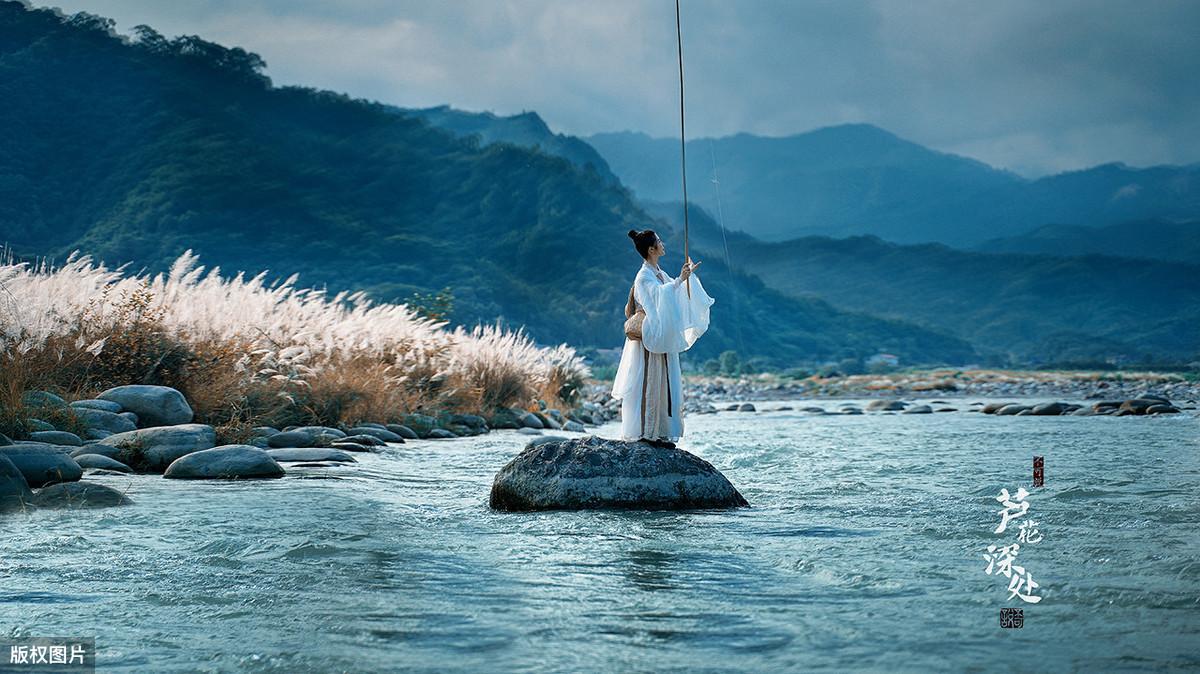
43, 464
79, 495
153, 405
593, 472
101, 462
14, 490
310, 454
106, 421
225, 462
151, 450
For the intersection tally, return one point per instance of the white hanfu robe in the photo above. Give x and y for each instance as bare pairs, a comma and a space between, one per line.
648, 381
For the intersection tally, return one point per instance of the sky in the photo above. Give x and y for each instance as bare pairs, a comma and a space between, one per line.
1033, 86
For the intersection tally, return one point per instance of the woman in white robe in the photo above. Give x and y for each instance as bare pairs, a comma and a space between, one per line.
648, 380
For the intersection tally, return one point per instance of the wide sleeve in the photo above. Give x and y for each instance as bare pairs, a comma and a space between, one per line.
673, 321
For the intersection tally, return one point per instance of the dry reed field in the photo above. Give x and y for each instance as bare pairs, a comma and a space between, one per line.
247, 352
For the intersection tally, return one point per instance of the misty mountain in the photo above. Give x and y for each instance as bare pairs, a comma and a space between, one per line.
1034, 308
136, 149
860, 179
1153, 239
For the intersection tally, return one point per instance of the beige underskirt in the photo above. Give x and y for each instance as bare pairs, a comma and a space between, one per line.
656, 397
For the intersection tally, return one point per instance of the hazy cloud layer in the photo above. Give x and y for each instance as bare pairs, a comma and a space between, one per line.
1032, 85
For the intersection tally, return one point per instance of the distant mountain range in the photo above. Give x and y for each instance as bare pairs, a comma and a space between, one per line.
134, 150
1153, 239
1032, 305
859, 179
1033, 308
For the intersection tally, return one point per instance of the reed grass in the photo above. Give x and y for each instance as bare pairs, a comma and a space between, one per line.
246, 351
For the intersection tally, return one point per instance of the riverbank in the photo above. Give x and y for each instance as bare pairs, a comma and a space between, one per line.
949, 382
247, 352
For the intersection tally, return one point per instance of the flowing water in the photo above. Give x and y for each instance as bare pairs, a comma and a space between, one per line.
863, 549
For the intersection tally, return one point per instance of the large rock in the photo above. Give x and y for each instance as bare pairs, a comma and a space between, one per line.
309, 454
592, 472
105, 405
101, 462
531, 420
153, 405
79, 495
225, 462
43, 399
403, 431
380, 433
43, 464
105, 421
14, 490
56, 438
151, 450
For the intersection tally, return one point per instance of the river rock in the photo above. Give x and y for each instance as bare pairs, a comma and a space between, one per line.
14, 489
225, 462
1012, 409
43, 464
264, 431
382, 434
96, 434
362, 439
918, 409
292, 439
1050, 409
38, 425
592, 472
79, 495
1162, 409
531, 420
42, 399
746, 407
886, 405
1138, 405
440, 434
95, 404
106, 421
56, 438
101, 462
524, 430
574, 427
474, 420
310, 454
992, 408
152, 450
403, 431
153, 405
420, 423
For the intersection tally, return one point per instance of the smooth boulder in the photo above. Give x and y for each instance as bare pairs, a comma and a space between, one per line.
14, 490
225, 462
56, 438
43, 464
153, 405
101, 462
77, 495
104, 405
310, 454
592, 472
151, 450
105, 421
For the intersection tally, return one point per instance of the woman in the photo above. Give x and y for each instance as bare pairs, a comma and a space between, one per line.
648, 381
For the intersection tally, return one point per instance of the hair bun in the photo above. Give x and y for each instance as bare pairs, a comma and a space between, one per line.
633, 234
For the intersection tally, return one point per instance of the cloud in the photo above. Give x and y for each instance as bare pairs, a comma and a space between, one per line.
1032, 85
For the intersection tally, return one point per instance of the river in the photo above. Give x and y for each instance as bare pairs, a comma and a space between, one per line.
863, 548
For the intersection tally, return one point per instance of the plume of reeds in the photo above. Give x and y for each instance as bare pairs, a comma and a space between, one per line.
247, 351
